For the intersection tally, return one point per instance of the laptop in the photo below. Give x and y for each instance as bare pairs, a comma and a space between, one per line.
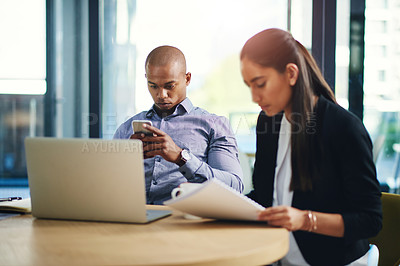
88, 179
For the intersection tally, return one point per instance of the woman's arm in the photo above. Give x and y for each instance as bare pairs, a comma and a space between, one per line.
294, 219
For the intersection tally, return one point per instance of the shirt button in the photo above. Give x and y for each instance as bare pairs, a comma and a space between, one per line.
155, 182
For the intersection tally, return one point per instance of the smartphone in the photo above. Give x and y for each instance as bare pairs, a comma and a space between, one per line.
137, 126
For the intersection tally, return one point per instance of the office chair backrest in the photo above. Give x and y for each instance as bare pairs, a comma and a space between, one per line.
388, 239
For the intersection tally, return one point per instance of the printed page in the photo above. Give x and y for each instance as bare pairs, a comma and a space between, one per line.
217, 201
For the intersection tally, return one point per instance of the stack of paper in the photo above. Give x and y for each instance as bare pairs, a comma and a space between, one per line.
20, 206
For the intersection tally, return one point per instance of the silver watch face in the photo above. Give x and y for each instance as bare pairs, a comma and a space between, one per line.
185, 155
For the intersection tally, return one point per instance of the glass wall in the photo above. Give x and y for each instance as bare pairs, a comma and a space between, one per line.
382, 84
119, 57
24, 78
22, 81
209, 33
381, 80
342, 53
301, 13
69, 56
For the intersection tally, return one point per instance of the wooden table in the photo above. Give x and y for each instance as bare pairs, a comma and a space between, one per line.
25, 240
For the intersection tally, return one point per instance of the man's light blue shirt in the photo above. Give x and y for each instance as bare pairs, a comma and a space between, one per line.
208, 138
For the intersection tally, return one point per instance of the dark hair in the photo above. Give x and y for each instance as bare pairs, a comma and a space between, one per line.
276, 48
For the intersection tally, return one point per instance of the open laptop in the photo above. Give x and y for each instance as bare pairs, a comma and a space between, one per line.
88, 179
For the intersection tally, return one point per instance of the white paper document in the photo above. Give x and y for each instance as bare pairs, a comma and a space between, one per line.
20, 206
216, 200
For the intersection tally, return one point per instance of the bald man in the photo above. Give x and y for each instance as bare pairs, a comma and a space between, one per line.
188, 143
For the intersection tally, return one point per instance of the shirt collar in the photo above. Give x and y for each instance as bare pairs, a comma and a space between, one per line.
183, 107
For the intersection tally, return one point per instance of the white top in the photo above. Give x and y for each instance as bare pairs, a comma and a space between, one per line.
282, 194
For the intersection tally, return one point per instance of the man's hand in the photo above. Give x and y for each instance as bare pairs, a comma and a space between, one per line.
158, 144
139, 136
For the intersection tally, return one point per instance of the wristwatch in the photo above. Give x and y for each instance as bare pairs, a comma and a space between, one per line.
185, 156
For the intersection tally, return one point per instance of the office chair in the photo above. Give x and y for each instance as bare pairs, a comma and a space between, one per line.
373, 255
388, 239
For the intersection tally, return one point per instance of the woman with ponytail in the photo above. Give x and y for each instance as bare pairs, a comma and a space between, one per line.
314, 170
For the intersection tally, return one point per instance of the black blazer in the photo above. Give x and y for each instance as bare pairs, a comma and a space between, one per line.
347, 183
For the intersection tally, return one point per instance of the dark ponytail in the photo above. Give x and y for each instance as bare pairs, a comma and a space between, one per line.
276, 48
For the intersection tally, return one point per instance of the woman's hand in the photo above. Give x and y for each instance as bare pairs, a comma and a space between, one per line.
330, 224
284, 216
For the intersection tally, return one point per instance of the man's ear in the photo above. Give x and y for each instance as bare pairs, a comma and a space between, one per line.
292, 72
188, 78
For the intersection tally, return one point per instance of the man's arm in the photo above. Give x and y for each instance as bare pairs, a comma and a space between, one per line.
222, 158
117, 134
123, 131
222, 164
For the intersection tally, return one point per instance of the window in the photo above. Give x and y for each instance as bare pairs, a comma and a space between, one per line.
382, 50
381, 75
210, 34
342, 52
382, 83
22, 81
